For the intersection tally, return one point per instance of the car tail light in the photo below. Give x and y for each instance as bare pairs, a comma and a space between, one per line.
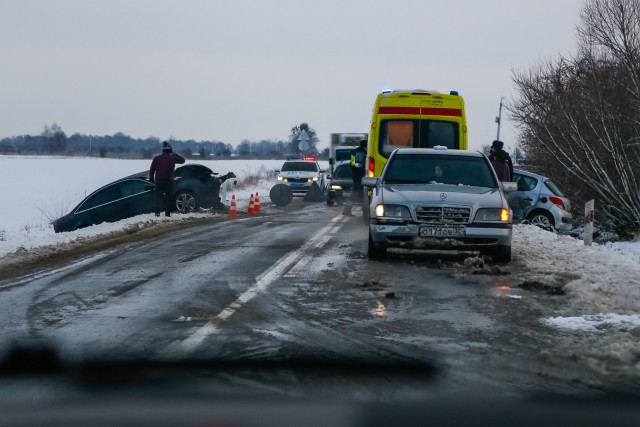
371, 167
558, 202
56, 227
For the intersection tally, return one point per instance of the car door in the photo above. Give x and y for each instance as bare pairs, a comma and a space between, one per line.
137, 199
101, 206
522, 201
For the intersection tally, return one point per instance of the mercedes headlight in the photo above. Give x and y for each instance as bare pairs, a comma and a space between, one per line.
493, 215
398, 212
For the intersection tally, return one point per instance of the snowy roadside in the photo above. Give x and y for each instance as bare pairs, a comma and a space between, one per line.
600, 278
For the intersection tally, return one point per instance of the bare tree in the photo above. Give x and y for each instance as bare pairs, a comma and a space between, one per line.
580, 118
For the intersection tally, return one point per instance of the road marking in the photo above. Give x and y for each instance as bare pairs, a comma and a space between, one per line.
299, 266
183, 348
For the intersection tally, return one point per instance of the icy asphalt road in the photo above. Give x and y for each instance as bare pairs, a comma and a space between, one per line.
296, 284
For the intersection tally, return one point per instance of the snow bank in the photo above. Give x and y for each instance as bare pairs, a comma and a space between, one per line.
597, 322
600, 280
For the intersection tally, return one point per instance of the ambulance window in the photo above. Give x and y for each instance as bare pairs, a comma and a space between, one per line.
396, 133
434, 133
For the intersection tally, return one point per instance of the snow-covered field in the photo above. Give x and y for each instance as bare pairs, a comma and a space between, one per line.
603, 280
37, 190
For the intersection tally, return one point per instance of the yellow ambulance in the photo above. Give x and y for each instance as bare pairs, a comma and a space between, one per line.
414, 118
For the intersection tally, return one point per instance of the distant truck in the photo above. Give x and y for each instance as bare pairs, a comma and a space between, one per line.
342, 144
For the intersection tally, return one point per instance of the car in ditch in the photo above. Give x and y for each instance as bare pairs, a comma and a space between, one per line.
439, 199
539, 201
195, 187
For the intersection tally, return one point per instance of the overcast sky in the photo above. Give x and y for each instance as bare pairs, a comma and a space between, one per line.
238, 69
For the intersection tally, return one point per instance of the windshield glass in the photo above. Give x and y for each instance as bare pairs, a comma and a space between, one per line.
440, 169
343, 171
300, 166
417, 134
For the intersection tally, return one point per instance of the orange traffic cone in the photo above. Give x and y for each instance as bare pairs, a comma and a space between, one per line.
233, 211
252, 208
256, 203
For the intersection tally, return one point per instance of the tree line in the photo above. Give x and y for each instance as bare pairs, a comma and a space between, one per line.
579, 116
54, 141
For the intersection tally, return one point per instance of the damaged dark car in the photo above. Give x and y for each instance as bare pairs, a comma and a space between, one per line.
195, 187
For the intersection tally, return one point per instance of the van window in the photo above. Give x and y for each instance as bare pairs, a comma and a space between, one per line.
441, 133
417, 133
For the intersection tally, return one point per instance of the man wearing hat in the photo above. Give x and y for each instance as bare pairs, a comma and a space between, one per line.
500, 157
161, 175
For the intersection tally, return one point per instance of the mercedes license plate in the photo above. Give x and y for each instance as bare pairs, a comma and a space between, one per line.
442, 232
295, 184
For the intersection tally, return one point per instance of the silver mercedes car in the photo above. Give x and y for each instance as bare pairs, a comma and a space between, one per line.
439, 199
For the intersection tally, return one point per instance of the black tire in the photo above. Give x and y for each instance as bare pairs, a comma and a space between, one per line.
376, 250
501, 254
365, 206
542, 220
186, 201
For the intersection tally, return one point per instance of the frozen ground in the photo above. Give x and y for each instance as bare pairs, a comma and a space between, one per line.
602, 281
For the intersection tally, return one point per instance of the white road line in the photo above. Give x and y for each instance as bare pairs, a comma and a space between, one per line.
182, 348
299, 266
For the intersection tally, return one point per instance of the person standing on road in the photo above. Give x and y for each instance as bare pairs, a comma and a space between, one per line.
161, 175
501, 160
358, 158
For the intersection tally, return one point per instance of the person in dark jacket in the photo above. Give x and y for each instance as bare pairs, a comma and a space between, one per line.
161, 175
358, 157
498, 157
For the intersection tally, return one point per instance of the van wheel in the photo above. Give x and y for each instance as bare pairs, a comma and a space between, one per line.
376, 250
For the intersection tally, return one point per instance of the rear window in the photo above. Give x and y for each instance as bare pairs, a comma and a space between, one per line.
299, 166
554, 188
343, 171
439, 169
417, 134
343, 155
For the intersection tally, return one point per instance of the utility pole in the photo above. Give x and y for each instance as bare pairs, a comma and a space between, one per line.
499, 119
